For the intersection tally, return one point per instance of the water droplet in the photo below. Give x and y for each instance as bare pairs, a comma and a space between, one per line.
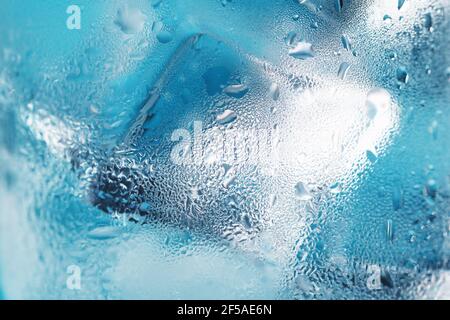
338, 4
156, 3
389, 231
130, 20
386, 279
431, 188
145, 207
397, 197
428, 22
164, 36
447, 73
387, 18
227, 116
290, 38
346, 42
371, 156
400, 4
246, 221
343, 69
273, 200
335, 188
104, 233
378, 100
391, 55
236, 90
314, 25
301, 192
295, 17
433, 129
303, 50
402, 75
274, 91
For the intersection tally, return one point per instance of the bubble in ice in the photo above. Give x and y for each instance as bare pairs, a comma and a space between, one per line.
301, 192
227, 116
130, 20
343, 69
236, 90
303, 50
164, 36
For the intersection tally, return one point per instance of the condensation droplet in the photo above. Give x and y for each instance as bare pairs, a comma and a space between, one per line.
104, 233
346, 42
335, 188
236, 90
303, 50
227, 116
402, 75
343, 69
389, 230
397, 197
274, 91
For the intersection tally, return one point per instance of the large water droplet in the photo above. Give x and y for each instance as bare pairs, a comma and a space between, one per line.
335, 188
428, 22
400, 4
226, 117
104, 233
236, 90
402, 75
303, 50
274, 91
343, 69
290, 38
338, 4
431, 188
164, 36
346, 42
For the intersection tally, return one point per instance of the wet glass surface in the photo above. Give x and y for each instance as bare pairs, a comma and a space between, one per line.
222, 149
